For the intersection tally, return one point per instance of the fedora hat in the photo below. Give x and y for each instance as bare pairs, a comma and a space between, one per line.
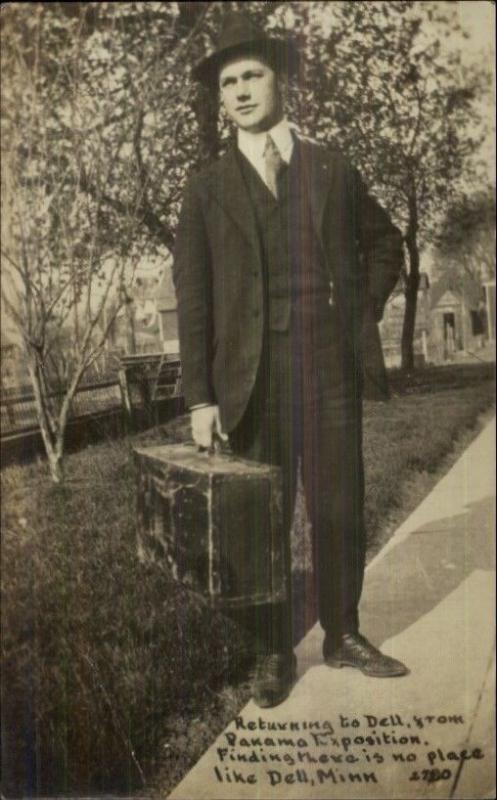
241, 35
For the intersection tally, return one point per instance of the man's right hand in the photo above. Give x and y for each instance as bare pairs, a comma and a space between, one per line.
205, 421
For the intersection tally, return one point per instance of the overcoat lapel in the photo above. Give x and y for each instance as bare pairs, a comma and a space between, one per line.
316, 171
228, 189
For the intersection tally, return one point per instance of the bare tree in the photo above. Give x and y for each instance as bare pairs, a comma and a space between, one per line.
64, 257
99, 134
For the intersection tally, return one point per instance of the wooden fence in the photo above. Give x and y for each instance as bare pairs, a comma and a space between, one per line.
18, 411
146, 391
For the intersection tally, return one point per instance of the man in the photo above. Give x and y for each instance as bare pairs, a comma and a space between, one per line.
279, 251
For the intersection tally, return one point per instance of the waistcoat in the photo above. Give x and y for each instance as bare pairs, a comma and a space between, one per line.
294, 268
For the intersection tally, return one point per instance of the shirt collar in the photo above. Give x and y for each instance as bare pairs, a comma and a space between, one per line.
252, 144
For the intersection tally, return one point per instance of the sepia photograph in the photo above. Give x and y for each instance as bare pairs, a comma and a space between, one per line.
248, 400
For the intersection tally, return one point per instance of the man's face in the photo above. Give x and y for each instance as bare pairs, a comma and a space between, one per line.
250, 94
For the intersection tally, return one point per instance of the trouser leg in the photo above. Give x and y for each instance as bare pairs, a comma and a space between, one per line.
333, 477
264, 435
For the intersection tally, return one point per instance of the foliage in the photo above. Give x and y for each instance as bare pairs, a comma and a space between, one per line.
466, 239
397, 99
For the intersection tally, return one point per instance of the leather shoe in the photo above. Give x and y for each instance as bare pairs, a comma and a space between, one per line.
354, 650
273, 678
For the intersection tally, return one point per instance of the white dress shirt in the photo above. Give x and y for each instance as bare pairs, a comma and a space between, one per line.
252, 145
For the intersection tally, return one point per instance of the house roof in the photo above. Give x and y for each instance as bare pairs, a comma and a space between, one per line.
464, 287
424, 284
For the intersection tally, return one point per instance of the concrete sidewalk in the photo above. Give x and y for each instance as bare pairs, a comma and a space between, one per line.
429, 600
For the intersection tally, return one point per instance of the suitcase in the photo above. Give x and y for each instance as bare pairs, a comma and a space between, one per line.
216, 520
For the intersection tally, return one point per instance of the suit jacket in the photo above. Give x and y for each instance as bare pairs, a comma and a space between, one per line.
218, 271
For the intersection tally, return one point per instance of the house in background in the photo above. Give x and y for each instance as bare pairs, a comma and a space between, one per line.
147, 323
454, 319
458, 318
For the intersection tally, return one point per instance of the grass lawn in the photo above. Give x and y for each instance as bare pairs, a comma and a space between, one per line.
114, 676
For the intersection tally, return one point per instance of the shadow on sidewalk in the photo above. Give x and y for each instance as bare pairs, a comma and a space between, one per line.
412, 578
418, 573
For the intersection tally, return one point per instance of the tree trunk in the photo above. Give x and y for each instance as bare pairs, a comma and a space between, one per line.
55, 465
130, 325
206, 112
411, 295
53, 422
51, 436
412, 285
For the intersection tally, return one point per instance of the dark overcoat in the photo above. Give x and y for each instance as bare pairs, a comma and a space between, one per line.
218, 271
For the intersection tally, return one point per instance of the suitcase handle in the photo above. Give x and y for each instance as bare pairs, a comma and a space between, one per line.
218, 447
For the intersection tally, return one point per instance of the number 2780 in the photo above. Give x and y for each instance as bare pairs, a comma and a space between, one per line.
431, 775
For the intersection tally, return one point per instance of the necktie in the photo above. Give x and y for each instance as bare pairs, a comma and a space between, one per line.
274, 163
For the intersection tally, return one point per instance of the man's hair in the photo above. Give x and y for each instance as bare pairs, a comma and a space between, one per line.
261, 53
